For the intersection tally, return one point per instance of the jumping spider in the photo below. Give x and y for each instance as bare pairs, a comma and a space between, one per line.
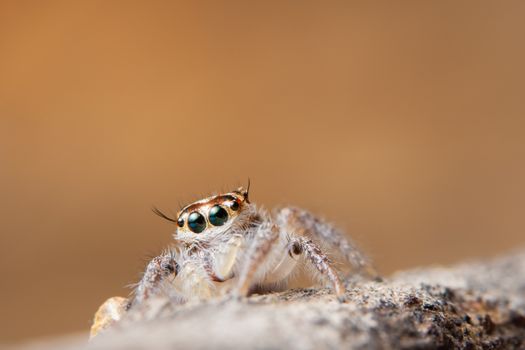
224, 244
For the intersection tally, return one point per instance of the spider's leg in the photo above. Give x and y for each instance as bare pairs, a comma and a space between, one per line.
114, 308
158, 269
302, 245
303, 223
261, 245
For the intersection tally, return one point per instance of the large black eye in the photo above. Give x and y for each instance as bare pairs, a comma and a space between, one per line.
196, 222
218, 215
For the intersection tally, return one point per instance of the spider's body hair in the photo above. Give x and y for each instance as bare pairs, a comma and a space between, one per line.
211, 265
251, 250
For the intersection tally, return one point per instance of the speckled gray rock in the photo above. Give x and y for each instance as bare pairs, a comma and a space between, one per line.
470, 306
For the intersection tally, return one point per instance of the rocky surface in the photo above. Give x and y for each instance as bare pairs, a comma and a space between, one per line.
478, 305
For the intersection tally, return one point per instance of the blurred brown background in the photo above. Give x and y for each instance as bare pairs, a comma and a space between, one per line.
402, 122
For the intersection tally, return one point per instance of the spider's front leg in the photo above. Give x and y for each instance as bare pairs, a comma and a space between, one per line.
262, 243
112, 310
158, 269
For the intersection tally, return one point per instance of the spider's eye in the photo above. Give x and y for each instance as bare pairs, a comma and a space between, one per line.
196, 222
234, 206
180, 222
218, 215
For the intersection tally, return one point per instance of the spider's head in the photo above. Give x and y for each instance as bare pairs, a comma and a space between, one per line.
213, 215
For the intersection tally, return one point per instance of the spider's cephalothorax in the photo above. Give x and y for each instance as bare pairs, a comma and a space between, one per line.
224, 244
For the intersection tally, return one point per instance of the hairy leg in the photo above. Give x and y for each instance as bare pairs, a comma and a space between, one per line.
114, 308
261, 245
301, 245
303, 223
158, 269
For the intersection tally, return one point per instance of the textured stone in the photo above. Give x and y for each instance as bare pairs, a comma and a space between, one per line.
478, 305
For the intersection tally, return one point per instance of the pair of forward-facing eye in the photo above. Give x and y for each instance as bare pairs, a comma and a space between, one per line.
217, 216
